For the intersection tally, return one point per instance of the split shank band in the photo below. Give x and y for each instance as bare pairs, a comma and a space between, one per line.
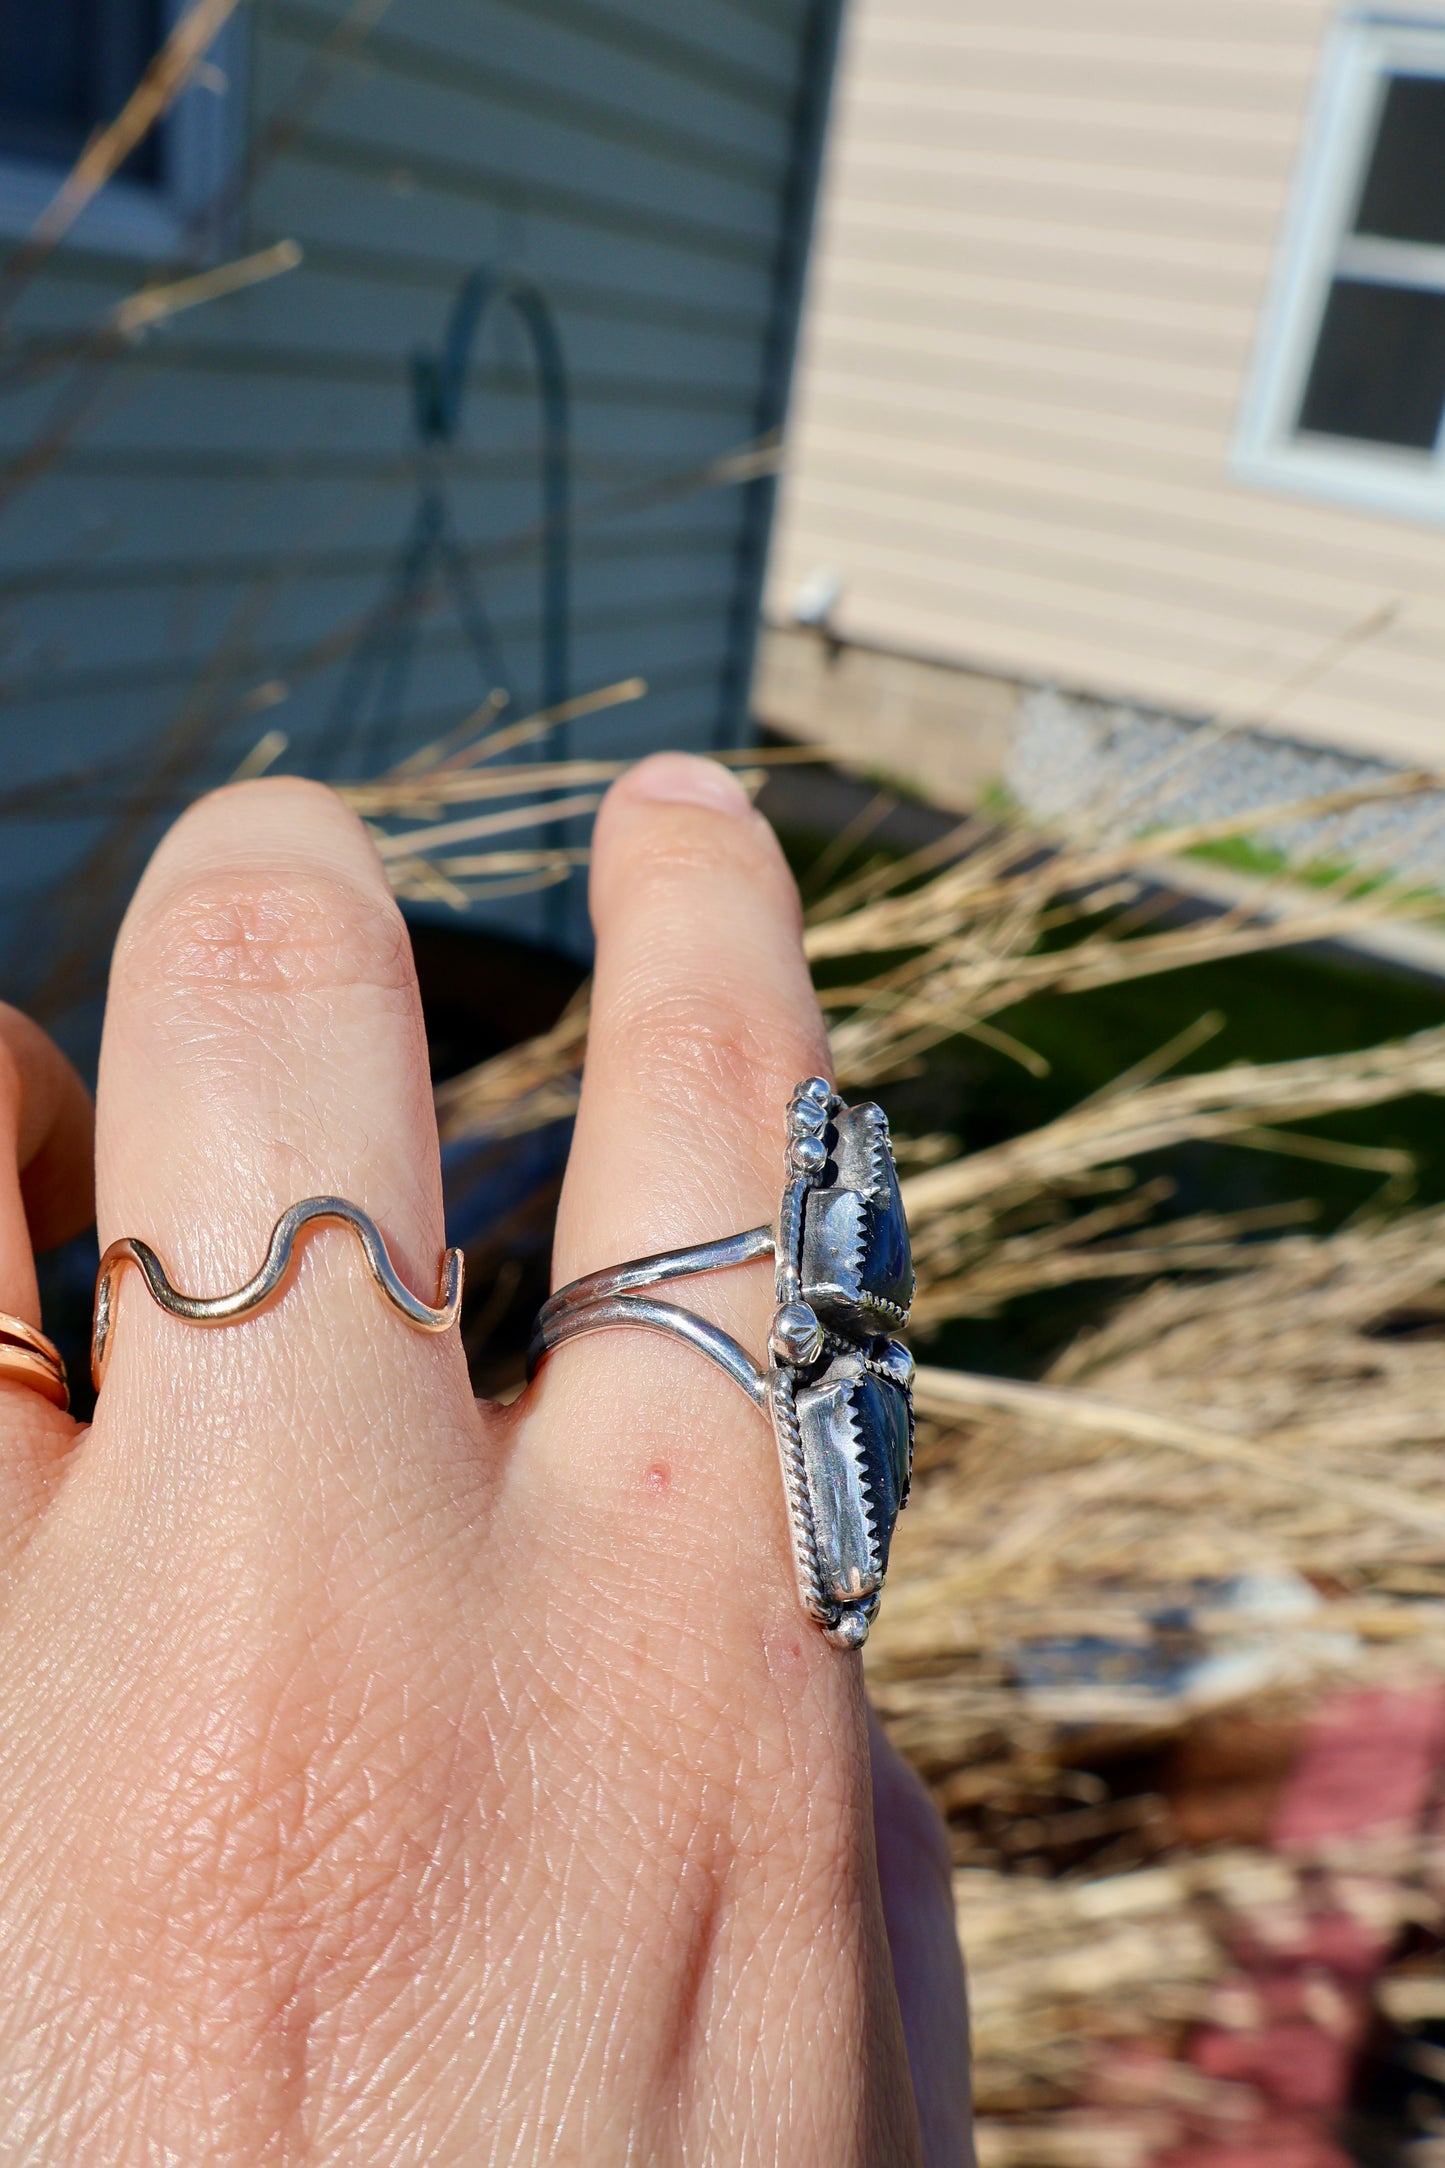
838, 1388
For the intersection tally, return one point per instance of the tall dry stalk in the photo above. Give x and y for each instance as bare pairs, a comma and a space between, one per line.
941, 945
1280, 1428
168, 74
1232, 1491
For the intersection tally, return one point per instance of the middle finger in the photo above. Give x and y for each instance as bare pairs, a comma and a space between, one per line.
263, 1044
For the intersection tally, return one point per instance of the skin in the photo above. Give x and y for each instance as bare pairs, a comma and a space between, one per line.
387, 1778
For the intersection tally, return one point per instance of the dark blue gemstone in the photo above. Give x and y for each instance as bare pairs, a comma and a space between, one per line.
881, 1413
857, 1266
856, 1428
887, 1271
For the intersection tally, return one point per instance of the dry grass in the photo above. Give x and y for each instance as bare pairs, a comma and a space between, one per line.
1284, 1424
1273, 1419
1261, 1412
942, 945
1150, 1952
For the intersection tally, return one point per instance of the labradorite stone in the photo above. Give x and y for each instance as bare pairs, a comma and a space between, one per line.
855, 1429
857, 1267
887, 1255
880, 1411
843, 1531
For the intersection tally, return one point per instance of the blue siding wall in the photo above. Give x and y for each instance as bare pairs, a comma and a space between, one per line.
190, 538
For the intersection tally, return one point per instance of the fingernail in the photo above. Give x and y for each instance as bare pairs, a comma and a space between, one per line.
683, 779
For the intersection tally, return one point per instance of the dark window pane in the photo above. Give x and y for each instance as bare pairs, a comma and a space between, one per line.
66, 67
1403, 198
1379, 366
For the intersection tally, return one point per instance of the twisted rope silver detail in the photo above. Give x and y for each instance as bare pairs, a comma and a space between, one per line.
800, 1504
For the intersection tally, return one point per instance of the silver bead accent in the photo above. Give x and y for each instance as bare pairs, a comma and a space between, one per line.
849, 1630
796, 1337
808, 1155
806, 1118
815, 1087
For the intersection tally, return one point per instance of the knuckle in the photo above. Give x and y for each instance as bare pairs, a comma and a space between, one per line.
700, 1052
279, 932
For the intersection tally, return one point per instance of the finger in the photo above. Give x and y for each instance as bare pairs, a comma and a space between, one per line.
916, 1878
656, 1482
703, 1017
703, 1020
47, 1181
264, 1044
46, 1188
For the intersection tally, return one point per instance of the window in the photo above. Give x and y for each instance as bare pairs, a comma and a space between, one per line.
67, 67
1347, 397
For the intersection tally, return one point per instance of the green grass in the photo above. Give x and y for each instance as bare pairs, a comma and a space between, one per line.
1242, 854
1277, 1006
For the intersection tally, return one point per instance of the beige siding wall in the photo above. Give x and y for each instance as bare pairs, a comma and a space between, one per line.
1045, 237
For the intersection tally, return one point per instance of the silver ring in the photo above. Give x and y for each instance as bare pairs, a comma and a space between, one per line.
839, 1383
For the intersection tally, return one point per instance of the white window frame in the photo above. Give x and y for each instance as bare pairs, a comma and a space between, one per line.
201, 142
1362, 52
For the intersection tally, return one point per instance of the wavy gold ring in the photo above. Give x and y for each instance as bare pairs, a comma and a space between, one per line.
266, 1284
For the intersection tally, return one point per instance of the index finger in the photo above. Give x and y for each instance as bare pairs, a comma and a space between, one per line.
703, 1020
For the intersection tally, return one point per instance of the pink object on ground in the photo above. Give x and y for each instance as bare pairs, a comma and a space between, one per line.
1291, 2065
1368, 1763
1367, 1769
1272, 2144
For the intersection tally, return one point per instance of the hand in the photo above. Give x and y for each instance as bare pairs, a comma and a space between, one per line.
386, 1778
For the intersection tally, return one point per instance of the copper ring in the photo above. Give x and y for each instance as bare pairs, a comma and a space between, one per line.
28, 1358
